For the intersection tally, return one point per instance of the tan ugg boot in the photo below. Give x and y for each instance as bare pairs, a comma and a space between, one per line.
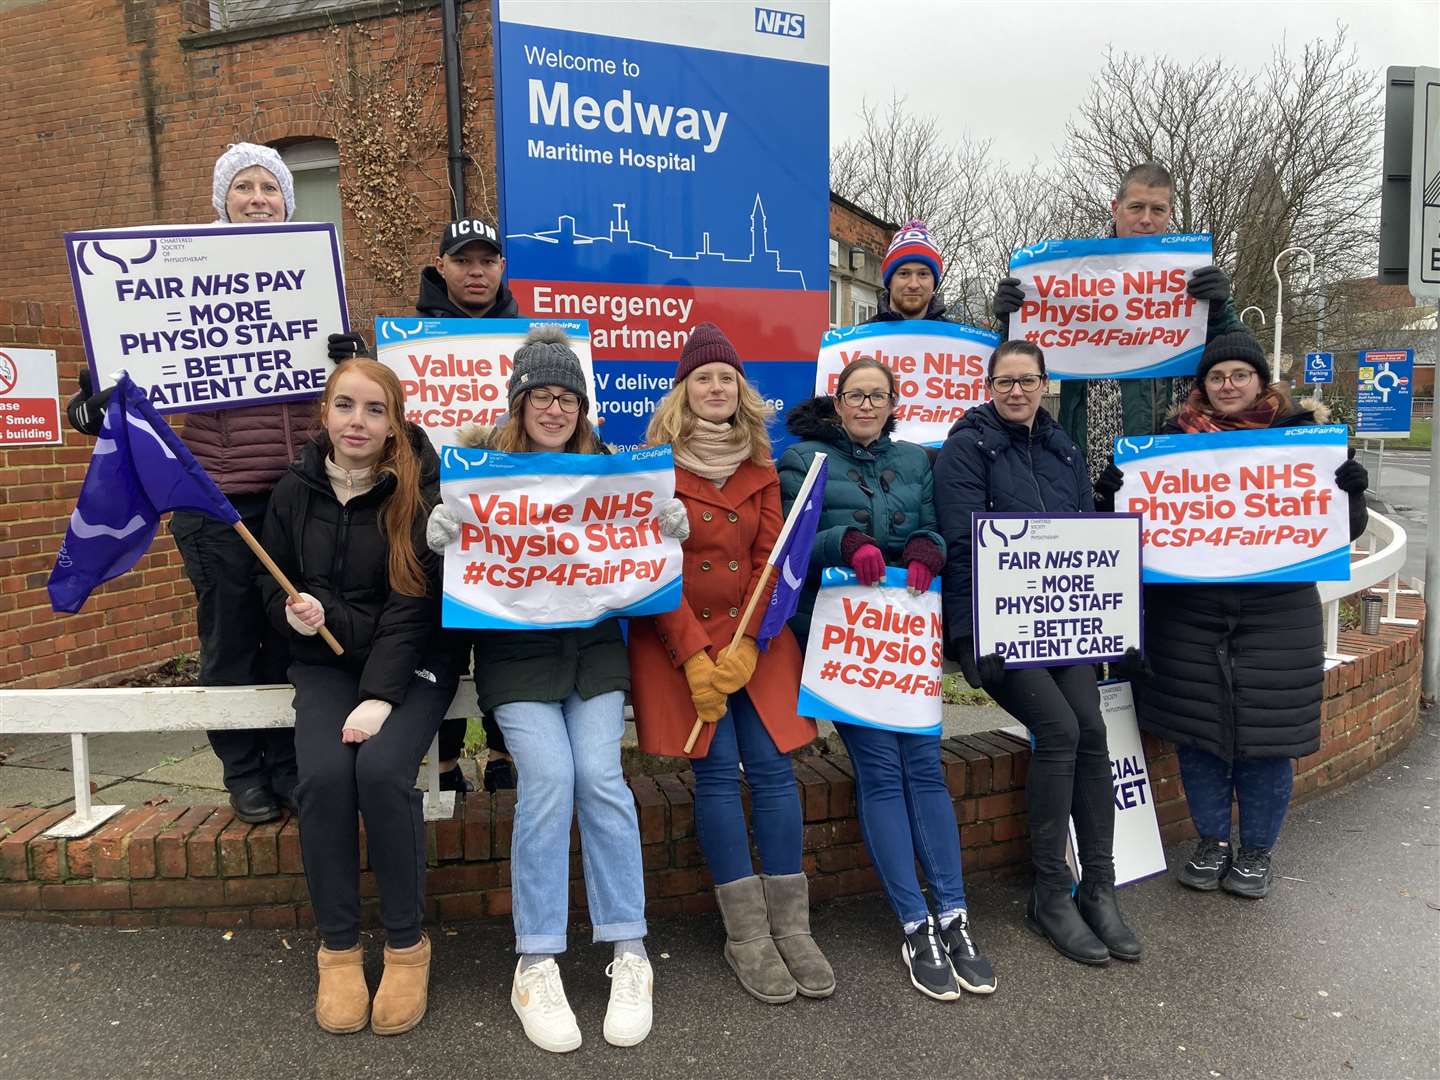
400, 1002
342, 1004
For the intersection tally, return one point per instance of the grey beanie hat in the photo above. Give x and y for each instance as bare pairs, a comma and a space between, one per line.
236, 159
546, 359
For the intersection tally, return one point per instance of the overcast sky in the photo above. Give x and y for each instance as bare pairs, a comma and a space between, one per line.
1010, 71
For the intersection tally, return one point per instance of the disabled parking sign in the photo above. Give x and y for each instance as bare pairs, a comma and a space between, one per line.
1319, 367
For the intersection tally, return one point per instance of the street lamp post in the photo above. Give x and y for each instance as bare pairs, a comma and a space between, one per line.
1258, 311
1280, 295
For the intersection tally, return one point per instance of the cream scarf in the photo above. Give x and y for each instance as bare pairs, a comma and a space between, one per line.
712, 452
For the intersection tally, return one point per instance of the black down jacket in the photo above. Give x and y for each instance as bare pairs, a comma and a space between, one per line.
338, 554
988, 463
1238, 670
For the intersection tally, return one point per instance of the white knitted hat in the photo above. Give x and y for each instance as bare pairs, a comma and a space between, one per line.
239, 157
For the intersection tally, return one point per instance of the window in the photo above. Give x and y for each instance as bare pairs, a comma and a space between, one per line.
315, 165
834, 302
863, 305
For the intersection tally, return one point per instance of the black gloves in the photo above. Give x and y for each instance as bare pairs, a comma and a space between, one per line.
1352, 478
1106, 485
1209, 283
86, 410
988, 671
1008, 298
343, 347
1131, 666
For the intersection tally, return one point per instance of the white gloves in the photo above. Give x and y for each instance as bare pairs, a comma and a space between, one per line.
442, 530
306, 617
674, 521
365, 720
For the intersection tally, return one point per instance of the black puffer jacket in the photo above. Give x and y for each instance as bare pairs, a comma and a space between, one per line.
435, 301
338, 554
988, 463
1238, 670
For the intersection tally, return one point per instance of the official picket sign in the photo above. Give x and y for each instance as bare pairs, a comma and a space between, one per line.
210, 316
1239, 505
454, 371
661, 165
1383, 393
1054, 590
1113, 308
874, 656
939, 370
556, 540
29, 397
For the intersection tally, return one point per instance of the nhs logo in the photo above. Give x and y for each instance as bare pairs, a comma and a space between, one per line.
783, 23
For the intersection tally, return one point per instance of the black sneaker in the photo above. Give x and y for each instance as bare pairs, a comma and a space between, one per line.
499, 774
971, 969
928, 963
1206, 866
1250, 875
456, 780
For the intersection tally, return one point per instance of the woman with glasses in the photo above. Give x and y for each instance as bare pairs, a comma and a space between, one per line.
1010, 456
879, 511
1233, 674
559, 697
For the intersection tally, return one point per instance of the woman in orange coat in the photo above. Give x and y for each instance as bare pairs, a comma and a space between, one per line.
683, 666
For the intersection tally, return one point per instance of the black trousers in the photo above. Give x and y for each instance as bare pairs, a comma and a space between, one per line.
375, 780
1069, 769
238, 646
452, 736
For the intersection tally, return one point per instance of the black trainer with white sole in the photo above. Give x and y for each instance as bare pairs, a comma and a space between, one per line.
928, 963
972, 970
1208, 864
1250, 874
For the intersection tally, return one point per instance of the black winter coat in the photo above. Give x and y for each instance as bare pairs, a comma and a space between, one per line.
339, 555
1238, 670
988, 463
435, 301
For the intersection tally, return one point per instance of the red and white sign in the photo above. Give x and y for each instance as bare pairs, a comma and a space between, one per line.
29, 398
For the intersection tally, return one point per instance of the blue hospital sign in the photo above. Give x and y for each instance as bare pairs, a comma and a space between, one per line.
1383, 393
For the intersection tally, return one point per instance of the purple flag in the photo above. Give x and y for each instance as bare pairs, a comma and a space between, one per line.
791, 556
139, 469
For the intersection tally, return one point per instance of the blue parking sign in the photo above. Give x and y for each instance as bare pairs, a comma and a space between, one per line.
1319, 367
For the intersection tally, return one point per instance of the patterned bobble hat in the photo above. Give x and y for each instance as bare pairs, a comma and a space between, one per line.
912, 243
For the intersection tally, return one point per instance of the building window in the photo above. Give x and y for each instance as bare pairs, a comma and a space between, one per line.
864, 304
230, 14
315, 164
834, 303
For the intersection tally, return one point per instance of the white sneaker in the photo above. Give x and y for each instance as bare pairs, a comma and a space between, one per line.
538, 998
632, 990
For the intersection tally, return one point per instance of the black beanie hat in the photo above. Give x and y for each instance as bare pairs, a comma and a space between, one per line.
1234, 345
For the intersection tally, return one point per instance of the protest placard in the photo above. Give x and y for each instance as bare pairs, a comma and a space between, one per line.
1056, 589
939, 370
1239, 505
1113, 308
1139, 852
29, 398
877, 650
210, 316
454, 371
557, 540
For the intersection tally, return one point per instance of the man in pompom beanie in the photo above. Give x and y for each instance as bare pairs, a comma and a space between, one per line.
911, 271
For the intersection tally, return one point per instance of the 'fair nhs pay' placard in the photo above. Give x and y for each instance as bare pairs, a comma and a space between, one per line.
210, 316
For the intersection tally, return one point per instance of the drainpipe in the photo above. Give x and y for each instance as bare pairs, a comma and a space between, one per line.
453, 129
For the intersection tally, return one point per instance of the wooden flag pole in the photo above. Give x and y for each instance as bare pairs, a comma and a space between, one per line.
739, 633
279, 575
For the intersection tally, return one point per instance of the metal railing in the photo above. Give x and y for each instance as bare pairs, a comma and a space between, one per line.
1383, 546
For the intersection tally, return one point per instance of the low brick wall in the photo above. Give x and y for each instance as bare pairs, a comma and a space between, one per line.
200, 866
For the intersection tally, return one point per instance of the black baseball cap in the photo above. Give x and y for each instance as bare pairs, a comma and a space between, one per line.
469, 231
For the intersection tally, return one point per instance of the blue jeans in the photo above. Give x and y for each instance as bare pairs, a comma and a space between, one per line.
1261, 787
567, 756
740, 735
905, 812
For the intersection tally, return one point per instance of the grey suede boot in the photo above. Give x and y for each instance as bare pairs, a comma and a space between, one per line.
787, 897
749, 949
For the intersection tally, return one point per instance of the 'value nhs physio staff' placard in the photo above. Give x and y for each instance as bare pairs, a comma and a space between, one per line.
939, 370
1239, 505
1113, 308
553, 540
664, 164
874, 656
1057, 590
455, 371
210, 316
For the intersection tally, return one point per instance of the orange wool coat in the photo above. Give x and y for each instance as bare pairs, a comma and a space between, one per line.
732, 530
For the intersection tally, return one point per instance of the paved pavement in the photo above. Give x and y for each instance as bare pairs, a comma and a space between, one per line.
1337, 974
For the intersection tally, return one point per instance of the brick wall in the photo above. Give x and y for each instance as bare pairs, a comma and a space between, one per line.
200, 866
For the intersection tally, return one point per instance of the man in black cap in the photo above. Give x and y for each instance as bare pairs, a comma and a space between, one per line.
468, 282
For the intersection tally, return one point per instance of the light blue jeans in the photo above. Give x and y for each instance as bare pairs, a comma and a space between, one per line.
567, 757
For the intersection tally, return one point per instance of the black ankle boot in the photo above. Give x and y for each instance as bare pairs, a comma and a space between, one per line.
1098, 907
1053, 915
